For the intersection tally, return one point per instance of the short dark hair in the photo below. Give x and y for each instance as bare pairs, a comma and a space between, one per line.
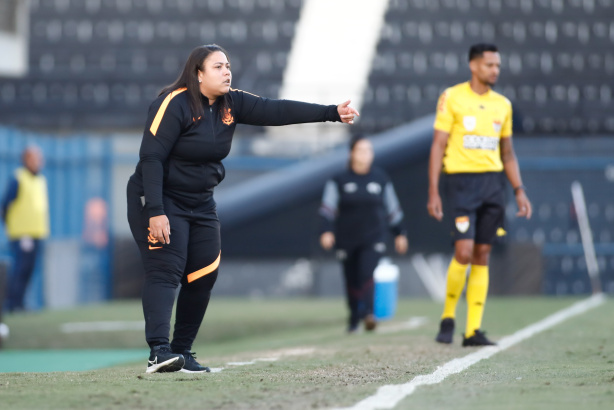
355, 139
478, 50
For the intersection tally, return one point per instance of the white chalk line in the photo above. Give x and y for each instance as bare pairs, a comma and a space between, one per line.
284, 353
262, 359
117, 326
412, 323
102, 326
389, 396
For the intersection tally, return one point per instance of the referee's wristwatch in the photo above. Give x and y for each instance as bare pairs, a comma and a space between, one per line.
520, 187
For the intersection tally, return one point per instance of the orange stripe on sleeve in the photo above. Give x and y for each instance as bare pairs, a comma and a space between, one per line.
206, 270
158, 118
245, 92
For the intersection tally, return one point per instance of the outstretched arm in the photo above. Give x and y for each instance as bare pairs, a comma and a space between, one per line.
255, 110
510, 165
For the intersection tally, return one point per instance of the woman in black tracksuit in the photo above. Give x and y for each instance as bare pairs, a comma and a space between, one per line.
188, 132
358, 207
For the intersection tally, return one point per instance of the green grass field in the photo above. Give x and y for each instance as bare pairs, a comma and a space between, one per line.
569, 366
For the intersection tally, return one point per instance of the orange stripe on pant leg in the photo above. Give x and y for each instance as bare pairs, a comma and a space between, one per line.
206, 270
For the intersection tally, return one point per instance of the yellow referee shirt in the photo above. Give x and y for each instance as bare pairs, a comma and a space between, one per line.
475, 123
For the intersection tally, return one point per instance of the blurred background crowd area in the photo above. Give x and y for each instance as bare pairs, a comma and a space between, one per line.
77, 77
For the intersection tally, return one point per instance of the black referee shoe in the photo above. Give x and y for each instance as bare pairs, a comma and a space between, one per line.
446, 331
191, 365
478, 339
163, 360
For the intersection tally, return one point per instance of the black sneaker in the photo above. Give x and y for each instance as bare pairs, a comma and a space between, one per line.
446, 331
353, 324
478, 339
163, 360
191, 365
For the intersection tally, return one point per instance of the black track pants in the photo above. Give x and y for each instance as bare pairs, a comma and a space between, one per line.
191, 259
358, 267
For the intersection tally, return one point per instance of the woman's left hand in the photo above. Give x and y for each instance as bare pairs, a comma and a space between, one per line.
347, 113
401, 244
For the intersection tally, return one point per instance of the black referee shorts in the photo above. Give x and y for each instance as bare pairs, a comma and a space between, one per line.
194, 249
476, 202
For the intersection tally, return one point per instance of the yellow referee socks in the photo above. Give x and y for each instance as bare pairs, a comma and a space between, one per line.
477, 288
457, 274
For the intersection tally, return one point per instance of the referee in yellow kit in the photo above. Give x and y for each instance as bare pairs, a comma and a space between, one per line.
472, 145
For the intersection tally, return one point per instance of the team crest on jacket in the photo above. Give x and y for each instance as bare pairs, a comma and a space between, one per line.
374, 188
228, 119
462, 223
350, 187
497, 126
469, 122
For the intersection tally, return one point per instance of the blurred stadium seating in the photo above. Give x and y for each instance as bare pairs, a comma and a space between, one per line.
549, 166
98, 64
95, 65
557, 66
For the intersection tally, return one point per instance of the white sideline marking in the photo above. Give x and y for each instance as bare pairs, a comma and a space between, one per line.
389, 396
412, 323
298, 351
106, 326
262, 359
287, 352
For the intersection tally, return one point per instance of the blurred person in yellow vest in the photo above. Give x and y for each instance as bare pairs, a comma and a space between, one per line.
25, 212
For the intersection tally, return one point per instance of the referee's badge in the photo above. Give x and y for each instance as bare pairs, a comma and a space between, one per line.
469, 122
462, 223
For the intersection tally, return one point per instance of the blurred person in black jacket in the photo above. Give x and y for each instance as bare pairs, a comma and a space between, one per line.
359, 207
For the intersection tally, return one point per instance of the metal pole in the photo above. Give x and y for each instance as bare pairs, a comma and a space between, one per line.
587, 237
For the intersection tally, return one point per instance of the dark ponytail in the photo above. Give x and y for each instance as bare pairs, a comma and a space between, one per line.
189, 79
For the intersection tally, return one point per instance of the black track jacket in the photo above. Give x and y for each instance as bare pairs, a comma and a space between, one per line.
180, 156
359, 209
